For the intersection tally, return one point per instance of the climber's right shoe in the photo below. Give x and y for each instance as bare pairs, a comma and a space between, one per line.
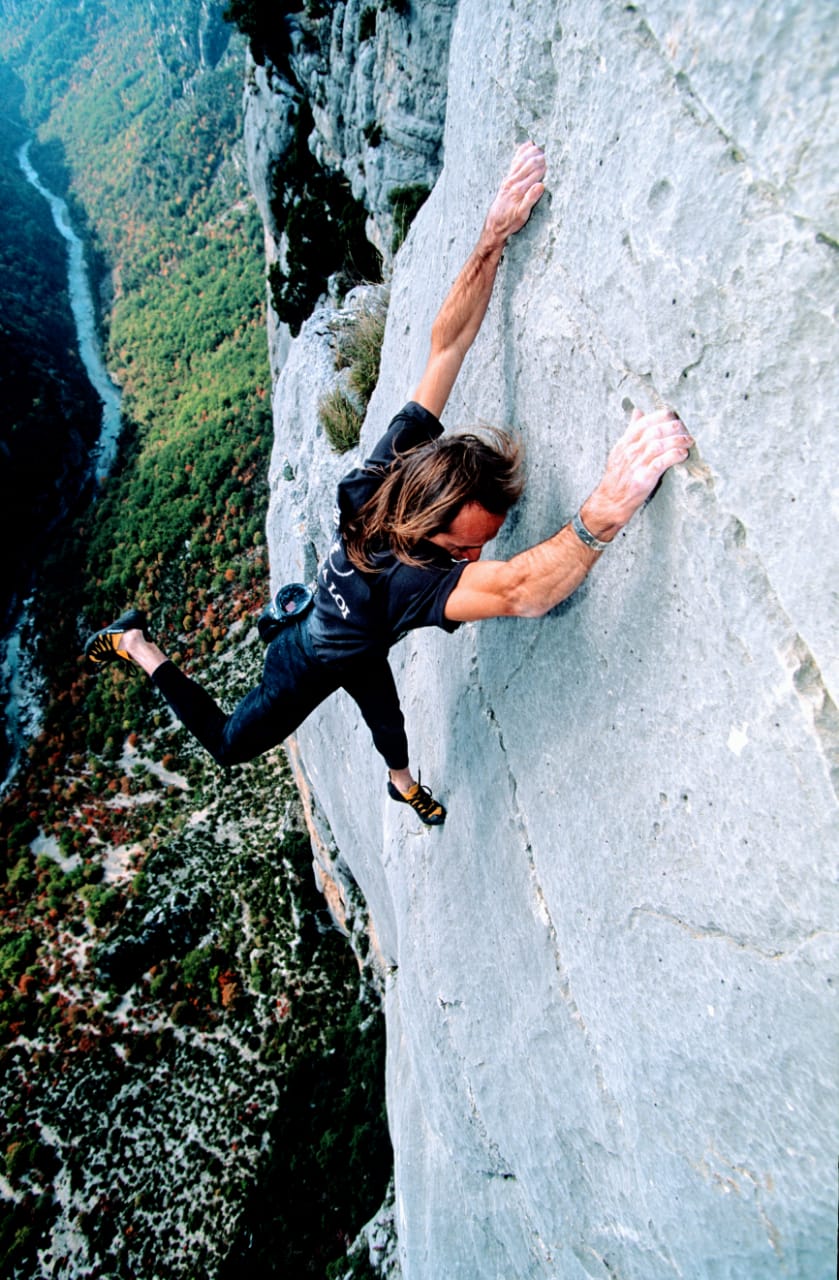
104, 646
421, 801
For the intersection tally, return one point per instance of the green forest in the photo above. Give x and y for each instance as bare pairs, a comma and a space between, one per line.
142, 137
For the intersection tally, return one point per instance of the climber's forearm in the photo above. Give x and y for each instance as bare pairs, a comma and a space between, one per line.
526, 586
458, 323
462, 314
465, 306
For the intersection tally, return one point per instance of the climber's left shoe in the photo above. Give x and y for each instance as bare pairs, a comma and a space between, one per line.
430, 811
104, 646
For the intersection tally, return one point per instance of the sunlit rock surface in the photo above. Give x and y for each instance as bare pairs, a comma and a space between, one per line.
612, 1036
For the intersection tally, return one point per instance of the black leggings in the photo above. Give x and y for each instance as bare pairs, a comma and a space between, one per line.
294, 681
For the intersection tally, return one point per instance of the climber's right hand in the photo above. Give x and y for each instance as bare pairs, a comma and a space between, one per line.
521, 189
650, 445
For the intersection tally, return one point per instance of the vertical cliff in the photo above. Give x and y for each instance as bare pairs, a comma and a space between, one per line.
611, 1025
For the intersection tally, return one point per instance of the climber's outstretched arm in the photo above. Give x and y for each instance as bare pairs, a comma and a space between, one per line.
460, 316
534, 581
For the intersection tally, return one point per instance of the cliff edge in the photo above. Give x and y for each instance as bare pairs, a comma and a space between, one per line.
611, 1026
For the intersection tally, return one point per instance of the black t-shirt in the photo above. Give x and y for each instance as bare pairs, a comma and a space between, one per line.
359, 612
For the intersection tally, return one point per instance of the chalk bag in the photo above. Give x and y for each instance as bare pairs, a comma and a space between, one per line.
289, 604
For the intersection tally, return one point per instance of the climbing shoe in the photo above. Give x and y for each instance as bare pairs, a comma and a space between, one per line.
104, 646
421, 801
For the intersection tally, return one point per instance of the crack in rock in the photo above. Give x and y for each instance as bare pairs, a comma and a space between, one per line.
713, 933
703, 113
500, 1168
731, 1177
816, 704
543, 913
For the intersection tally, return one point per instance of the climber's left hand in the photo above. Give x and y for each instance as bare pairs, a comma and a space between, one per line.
650, 445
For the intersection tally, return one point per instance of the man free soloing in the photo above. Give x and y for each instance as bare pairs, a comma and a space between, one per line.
411, 524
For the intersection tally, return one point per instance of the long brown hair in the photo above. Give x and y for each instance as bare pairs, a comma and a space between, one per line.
425, 487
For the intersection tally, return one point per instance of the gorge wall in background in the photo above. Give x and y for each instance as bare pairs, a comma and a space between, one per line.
612, 1041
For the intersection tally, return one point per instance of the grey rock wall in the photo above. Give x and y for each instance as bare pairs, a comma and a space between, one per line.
611, 976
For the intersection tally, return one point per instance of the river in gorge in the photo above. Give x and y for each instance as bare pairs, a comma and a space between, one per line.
20, 682
84, 318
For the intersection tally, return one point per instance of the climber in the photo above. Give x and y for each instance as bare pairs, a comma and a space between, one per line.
410, 527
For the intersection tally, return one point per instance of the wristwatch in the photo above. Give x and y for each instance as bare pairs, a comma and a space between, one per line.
588, 539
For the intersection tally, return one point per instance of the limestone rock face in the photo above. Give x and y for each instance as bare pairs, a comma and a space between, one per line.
611, 1024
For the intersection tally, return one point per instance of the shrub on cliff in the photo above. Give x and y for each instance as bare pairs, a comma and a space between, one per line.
406, 203
324, 229
340, 420
358, 348
262, 22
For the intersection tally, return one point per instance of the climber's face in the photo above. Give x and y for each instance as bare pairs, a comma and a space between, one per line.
468, 533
